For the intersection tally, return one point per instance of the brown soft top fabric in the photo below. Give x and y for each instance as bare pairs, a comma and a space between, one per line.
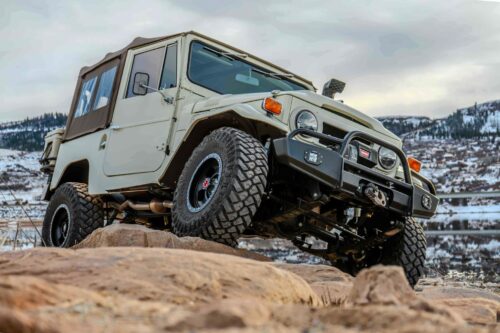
94, 121
137, 42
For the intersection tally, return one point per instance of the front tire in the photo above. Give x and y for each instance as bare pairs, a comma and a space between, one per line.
71, 215
221, 187
408, 250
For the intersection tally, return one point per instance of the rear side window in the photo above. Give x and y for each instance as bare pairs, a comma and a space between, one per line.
169, 73
105, 88
149, 62
83, 106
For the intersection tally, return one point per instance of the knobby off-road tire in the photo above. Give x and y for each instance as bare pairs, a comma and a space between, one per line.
228, 193
407, 249
71, 215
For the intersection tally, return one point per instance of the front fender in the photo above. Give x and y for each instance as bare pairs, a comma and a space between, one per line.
248, 111
193, 127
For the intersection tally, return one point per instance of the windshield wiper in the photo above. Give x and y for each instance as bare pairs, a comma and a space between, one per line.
278, 76
228, 55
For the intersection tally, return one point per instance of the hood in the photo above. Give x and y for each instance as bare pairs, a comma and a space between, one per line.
342, 110
311, 97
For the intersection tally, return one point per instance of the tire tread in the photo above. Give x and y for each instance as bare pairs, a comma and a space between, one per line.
248, 161
86, 209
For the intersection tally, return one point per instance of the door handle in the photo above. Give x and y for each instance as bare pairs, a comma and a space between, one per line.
102, 144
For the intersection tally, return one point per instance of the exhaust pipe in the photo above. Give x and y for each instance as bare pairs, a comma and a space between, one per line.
156, 206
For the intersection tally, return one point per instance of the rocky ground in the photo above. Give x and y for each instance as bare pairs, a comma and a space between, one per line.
127, 278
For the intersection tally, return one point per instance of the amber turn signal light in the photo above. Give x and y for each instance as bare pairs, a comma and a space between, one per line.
272, 105
414, 164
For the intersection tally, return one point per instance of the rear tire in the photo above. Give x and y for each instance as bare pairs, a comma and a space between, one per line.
71, 215
221, 187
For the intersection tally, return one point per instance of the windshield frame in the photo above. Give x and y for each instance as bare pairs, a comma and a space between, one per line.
250, 63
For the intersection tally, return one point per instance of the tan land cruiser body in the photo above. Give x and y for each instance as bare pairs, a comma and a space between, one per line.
189, 134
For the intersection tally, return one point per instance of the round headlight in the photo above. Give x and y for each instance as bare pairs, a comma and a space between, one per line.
387, 158
307, 120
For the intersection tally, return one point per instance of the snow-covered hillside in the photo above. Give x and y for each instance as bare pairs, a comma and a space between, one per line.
459, 165
28, 134
405, 124
476, 121
21, 184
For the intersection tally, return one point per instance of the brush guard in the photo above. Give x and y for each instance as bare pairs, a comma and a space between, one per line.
353, 182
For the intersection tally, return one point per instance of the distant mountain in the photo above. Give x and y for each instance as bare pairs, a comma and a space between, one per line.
28, 134
400, 125
479, 120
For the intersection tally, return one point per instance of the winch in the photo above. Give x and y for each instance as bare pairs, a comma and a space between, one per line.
378, 197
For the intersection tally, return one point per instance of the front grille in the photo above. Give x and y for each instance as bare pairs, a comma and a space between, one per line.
333, 131
338, 133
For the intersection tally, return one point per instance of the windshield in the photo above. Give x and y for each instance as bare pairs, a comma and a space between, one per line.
226, 73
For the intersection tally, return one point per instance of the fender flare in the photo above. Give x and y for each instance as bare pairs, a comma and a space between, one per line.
242, 116
76, 171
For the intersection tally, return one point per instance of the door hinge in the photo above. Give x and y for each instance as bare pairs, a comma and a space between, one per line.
161, 147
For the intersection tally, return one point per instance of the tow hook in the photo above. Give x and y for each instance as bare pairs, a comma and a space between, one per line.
378, 197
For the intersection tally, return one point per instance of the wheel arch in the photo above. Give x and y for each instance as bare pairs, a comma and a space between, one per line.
77, 171
235, 118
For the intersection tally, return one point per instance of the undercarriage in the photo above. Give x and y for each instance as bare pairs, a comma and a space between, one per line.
306, 212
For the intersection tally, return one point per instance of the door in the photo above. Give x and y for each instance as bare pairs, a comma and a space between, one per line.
142, 116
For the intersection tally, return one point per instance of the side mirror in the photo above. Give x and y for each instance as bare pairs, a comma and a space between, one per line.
141, 81
333, 87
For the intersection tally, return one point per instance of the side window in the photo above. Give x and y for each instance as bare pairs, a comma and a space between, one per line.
83, 106
169, 73
148, 62
105, 88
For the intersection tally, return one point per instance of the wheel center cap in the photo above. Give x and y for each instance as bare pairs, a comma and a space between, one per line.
206, 183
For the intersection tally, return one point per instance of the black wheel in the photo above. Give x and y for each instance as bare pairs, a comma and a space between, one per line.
221, 187
407, 249
71, 215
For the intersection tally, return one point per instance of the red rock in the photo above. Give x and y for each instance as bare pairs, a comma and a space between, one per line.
118, 235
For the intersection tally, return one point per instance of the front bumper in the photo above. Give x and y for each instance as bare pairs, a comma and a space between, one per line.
348, 179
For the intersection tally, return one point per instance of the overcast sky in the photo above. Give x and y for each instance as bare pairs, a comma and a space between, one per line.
397, 57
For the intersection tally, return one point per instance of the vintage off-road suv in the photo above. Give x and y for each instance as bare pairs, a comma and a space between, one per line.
189, 134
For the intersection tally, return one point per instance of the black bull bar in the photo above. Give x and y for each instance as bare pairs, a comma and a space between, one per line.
348, 178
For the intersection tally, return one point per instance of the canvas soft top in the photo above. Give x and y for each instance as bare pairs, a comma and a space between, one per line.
101, 118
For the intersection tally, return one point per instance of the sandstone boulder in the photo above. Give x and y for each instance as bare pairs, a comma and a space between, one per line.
138, 289
387, 286
329, 282
167, 275
381, 285
117, 235
445, 292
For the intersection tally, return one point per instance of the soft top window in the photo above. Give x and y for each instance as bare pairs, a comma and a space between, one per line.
226, 74
85, 98
103, 94
93, 100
